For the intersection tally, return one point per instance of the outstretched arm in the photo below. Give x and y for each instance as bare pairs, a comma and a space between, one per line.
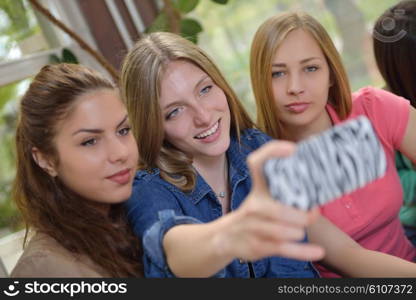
259, 228
347, 257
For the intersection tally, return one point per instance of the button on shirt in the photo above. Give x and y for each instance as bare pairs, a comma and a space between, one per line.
156, 206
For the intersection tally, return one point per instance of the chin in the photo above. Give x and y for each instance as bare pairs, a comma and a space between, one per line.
218, 150
120, 197
301, 120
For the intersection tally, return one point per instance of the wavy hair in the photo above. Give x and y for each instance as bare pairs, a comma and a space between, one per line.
46, 204
141, 74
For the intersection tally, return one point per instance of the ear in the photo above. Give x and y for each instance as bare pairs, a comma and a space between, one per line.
43, 162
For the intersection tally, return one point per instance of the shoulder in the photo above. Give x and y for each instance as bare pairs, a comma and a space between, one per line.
151, 194
146, 175
250, 139
254, 137
372, 100
388, 113
150, 182
45, 257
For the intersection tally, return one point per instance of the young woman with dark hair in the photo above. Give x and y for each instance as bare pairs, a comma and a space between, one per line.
76, 160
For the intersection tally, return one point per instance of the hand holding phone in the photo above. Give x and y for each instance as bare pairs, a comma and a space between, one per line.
326, 166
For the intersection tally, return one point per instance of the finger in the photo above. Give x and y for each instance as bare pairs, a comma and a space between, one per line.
277, 212
313, 215
279, 232
257, 158
275, 231
301, 251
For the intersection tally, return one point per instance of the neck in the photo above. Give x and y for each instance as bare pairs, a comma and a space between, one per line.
211, 169
215, 173
298, 133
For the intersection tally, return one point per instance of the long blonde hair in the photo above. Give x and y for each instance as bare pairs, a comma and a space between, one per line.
141, 75
267, 40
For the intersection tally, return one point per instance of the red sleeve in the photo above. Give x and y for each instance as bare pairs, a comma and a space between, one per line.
388, 113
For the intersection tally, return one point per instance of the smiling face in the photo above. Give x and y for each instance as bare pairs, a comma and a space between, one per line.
195, 111
300, 84
96, 150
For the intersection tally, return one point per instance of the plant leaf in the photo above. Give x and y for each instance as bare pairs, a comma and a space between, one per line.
190, 29
68, 56
190, 26
159, 24
220, 1
186, 6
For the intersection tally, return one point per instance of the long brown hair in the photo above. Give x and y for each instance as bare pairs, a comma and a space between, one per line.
46, 204
267, 39
395, 49
140, 81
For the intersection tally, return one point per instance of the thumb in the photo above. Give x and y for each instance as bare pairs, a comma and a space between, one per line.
257, 159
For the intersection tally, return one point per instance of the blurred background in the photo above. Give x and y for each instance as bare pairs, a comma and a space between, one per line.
98, 33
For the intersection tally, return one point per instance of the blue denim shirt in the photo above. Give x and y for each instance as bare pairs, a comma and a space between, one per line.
156, 206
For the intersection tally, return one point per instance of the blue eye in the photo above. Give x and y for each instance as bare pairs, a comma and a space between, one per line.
277, 74
89, 142
205, 90
174, 113
311, 69
124, 131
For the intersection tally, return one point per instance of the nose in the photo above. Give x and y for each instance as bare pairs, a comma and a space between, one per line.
202, 116
294, 85
118, 151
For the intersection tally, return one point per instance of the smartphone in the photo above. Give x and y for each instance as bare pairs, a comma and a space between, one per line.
326, 166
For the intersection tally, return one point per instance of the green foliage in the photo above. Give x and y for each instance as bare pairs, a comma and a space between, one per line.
185, 6
17, 24
7, 92
189, 27
67, 57
17, 18
159, 24
9, 215
220, 1
372, 11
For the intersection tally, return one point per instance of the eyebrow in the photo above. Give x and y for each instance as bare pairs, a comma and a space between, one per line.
302, 61
204, 77
93, 130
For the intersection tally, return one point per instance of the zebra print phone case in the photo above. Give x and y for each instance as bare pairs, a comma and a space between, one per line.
327, 166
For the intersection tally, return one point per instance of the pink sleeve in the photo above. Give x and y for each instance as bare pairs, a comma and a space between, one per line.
388, 112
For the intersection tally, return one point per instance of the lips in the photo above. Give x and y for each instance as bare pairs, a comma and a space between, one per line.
121, 177
208, 132
297, 107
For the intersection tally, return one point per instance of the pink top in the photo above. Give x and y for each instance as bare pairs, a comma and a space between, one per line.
370, 215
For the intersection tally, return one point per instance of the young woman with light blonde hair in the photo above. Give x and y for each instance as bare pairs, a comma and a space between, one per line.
302, 89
